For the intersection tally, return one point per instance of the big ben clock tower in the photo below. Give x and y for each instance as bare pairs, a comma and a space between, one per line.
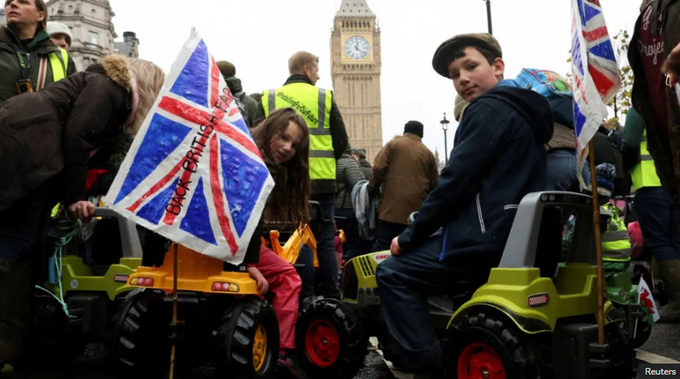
355, 70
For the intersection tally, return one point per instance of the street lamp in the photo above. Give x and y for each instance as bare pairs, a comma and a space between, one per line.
445, 127
488, 15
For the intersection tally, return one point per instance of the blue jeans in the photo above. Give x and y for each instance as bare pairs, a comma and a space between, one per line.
659, 217
562, 174
403, 284
325, 248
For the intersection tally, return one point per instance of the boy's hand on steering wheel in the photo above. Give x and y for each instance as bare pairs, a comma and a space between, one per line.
82, 210
262, 285
395, 249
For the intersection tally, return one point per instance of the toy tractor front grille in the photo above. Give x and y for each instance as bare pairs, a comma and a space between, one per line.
366, 266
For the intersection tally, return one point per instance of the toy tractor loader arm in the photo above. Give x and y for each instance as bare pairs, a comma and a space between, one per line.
132, 247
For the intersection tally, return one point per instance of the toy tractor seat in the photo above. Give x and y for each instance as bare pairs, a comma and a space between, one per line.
549, 244
548, 250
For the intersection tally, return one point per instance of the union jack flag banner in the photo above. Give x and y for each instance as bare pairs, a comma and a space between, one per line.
193, 173
595, 73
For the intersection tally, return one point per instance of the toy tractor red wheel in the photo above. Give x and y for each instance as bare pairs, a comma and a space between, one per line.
139, 336
489, 346
248, 341
330, 340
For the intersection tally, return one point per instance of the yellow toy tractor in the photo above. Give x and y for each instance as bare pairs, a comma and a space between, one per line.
222, 318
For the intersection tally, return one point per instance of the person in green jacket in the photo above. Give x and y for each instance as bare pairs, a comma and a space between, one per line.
246, 104
657, 210
29, 60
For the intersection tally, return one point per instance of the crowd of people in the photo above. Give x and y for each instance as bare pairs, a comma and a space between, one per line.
510, 141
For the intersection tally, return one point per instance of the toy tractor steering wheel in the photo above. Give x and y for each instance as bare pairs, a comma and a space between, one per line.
412, 217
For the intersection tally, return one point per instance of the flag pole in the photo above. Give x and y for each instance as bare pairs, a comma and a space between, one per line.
174, 314
598, 245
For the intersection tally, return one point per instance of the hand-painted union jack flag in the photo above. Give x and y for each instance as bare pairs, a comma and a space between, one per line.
193, 173
595, 73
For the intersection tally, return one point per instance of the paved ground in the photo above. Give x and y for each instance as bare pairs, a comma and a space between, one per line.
663, 347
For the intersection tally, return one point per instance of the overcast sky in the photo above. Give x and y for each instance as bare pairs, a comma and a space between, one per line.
259, 36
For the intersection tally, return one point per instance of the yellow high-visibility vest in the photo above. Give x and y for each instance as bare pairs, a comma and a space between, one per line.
615, 241
314, 105
644, 173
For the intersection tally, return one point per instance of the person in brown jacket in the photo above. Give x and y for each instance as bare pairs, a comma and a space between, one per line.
406, 170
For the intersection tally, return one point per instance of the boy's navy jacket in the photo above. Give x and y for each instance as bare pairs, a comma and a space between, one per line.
498, 158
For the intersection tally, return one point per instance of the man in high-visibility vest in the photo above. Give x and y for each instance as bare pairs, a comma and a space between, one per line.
328, 140
658, 213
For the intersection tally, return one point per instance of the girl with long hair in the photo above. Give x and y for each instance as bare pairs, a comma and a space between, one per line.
283, 141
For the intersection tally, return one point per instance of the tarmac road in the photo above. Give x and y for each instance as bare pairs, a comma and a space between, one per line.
91, 366
663, 346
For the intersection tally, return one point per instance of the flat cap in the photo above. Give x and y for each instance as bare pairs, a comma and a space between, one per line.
444, 54
227, 69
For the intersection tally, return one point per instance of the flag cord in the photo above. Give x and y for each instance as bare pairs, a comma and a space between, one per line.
174, 314
74, 229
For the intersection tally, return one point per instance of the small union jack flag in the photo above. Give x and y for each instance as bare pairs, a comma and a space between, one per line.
193, 173
595, 73
601, 58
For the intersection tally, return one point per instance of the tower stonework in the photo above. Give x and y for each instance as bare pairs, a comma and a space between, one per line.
355, 71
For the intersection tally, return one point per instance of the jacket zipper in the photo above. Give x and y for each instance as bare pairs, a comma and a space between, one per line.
479, 214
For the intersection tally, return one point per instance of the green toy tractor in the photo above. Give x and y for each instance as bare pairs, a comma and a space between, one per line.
632, 311
532, 318
75, 305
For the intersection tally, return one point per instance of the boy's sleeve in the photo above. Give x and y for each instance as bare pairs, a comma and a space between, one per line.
434, 173
480, 137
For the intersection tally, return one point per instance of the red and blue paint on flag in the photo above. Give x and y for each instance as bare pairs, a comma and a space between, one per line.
595, 74
194, 173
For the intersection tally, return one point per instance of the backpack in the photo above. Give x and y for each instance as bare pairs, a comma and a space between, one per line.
554, 88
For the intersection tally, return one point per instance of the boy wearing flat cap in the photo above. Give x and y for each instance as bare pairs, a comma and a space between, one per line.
498, 158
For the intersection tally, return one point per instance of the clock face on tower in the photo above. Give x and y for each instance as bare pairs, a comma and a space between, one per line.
356, 47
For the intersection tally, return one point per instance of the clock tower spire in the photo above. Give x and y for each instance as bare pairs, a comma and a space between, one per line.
355, 71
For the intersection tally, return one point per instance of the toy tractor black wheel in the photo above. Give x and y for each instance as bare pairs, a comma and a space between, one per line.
642, 333
139, 338
621, 355
488, 345
48, 336
331, 341
248, 341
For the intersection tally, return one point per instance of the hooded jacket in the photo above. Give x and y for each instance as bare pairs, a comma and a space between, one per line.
348, 175
498, 158
248, 103
56, 130
10, 69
